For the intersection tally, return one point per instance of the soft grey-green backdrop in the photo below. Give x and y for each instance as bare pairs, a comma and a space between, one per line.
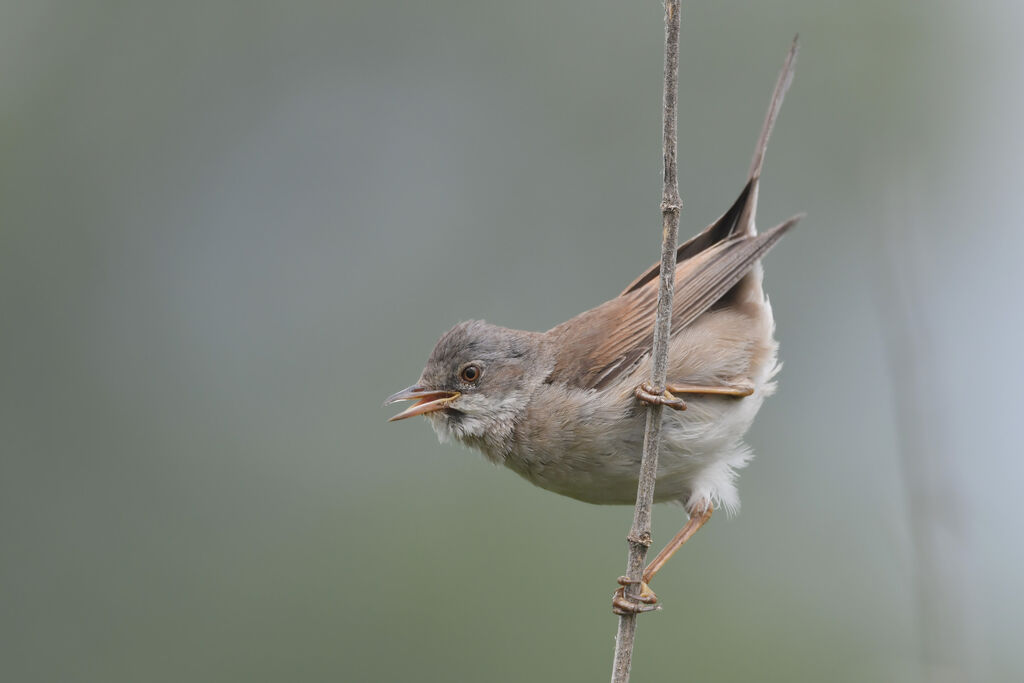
229, 230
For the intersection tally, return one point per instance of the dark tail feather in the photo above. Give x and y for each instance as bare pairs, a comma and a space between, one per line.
711, 235
746, 219
781, 86
740, 216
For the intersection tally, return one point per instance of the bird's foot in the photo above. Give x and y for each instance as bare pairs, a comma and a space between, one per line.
645, 392
625, 603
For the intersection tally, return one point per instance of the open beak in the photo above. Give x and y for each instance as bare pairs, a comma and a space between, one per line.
427, 401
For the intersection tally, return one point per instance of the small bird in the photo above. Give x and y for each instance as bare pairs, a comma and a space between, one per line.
563, 408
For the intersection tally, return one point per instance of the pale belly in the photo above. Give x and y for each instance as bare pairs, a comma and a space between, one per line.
701, 448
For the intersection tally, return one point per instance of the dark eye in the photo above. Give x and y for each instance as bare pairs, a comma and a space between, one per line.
470, 373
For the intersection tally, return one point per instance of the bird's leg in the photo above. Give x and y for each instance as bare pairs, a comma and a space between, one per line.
739, 389
645, 392
700, 514
627, 603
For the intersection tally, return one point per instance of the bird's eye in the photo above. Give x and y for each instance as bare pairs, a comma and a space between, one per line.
470, 373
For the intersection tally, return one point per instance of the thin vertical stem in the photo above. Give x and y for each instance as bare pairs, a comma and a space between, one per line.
639, 538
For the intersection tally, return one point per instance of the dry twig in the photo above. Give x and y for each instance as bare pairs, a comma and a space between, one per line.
640, 534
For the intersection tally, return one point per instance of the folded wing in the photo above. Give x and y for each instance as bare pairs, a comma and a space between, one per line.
599, 345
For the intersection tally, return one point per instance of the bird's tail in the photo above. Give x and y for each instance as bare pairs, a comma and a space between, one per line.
739, 219
745, 220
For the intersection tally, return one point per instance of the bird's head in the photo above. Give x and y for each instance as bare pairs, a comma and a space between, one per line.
476, 383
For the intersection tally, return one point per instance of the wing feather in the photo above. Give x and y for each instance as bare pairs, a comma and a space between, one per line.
601, 344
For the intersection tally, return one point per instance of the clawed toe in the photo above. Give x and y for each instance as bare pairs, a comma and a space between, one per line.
624, 604
645, 392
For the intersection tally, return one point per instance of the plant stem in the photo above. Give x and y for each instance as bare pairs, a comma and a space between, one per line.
639, 538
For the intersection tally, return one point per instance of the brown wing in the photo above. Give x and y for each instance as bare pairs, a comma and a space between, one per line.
597, 346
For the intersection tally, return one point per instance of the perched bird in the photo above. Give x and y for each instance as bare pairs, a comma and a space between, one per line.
563, 409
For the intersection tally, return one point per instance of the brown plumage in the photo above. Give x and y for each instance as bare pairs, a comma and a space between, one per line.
611, 339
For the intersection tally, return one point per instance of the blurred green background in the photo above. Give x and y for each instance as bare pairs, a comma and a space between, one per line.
229, 230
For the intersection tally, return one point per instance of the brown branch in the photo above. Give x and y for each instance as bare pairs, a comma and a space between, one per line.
639, 537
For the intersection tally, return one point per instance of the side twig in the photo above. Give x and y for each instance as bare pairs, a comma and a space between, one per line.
639, 538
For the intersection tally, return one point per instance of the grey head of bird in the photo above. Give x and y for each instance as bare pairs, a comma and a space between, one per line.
477, 383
